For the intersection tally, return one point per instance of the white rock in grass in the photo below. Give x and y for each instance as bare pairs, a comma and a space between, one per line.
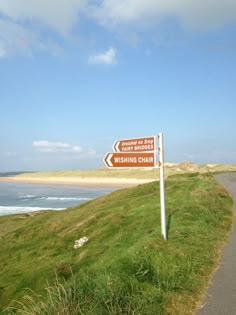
79, 243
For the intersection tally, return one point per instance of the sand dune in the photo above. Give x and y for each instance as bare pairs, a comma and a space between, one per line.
114, 177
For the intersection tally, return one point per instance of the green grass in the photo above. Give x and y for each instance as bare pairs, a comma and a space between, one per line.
125, 267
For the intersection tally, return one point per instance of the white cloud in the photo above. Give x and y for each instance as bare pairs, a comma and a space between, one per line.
2, 49
46, 146
60, 15
23, 22
13, 35
16, 39
108, 57
193, 14
66, 150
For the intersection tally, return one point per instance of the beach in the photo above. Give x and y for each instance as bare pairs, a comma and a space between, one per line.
80, 181
26, 194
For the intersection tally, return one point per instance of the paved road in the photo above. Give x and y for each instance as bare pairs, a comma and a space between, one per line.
221, 295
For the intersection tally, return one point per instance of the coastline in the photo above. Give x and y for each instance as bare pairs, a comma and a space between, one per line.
78, 181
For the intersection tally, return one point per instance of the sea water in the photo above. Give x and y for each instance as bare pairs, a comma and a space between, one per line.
24, 198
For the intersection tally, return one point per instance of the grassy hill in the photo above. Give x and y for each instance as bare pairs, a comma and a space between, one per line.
125, 267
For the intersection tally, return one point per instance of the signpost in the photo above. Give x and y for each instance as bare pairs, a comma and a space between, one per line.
140, 153
162, 187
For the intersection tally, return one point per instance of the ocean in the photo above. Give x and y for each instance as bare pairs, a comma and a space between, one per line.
24, 198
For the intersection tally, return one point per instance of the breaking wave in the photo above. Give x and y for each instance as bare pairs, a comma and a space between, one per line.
4, 210
65, 198
54, 198
28, 196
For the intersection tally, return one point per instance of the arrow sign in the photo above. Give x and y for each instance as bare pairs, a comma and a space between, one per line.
135, 145
134, 159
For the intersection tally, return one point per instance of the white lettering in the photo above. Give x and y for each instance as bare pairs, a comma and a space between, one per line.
148, 141
126, 149
145, 159
147, 147
122, 159
128, 143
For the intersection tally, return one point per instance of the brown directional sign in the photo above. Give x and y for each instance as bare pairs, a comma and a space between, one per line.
135, 145
134, 159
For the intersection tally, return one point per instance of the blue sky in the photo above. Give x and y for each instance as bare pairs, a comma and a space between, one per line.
77, 75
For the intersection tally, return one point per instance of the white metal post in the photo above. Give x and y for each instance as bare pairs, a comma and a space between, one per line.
162, 185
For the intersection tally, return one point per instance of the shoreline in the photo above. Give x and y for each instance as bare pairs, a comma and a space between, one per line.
78, 181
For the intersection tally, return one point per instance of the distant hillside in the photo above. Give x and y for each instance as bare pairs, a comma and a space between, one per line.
145, 173
201, 168
8, 174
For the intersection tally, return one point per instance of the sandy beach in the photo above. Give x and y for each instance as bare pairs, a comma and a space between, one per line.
78, 181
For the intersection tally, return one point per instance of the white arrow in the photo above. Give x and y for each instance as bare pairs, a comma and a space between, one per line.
109, 160
117, 146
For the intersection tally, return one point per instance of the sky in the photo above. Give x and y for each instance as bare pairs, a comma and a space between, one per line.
75, 76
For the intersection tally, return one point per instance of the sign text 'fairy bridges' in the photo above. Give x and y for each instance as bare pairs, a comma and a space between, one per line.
135, 145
